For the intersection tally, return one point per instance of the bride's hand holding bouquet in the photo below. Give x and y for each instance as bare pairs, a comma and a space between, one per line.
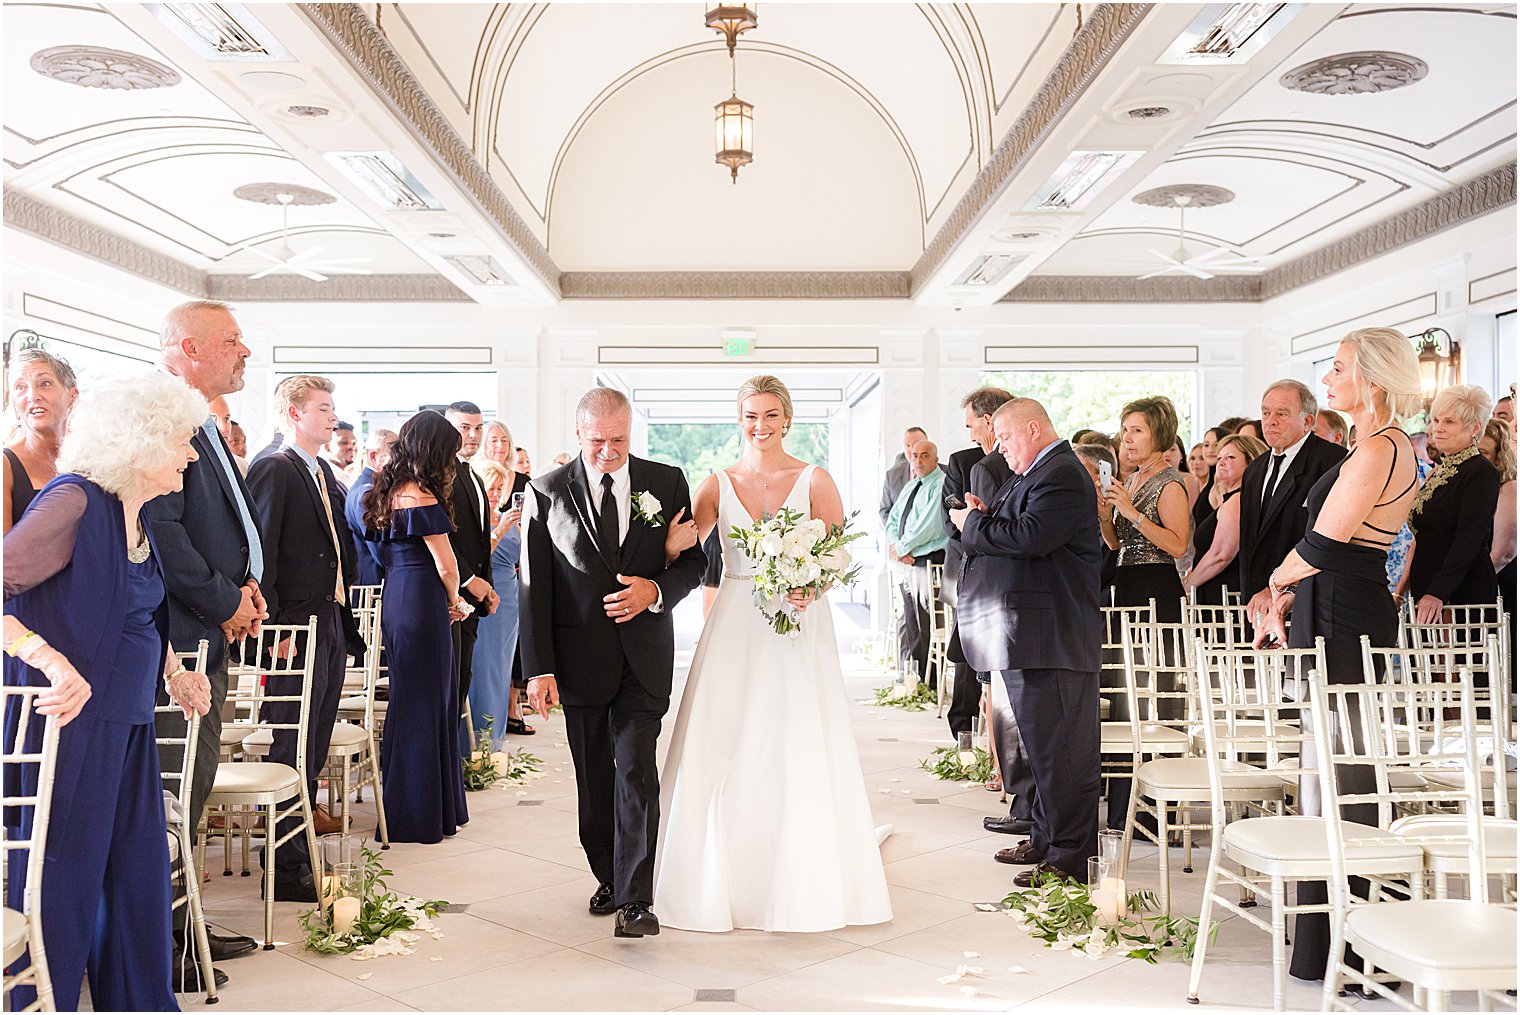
796, 560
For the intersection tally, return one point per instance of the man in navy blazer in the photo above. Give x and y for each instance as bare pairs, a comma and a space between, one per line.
208, 541
1029, 614
377, 452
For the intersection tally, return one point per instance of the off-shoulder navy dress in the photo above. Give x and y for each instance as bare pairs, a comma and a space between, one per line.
420, 759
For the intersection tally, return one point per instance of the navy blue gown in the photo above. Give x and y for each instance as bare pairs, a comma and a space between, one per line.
420, 760
105, 880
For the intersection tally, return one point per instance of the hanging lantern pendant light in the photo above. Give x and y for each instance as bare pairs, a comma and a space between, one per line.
732, 20
734, 127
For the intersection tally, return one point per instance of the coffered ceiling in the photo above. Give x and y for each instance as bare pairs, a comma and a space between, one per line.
528, 153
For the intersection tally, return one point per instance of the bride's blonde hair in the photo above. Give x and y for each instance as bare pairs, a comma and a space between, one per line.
765, 384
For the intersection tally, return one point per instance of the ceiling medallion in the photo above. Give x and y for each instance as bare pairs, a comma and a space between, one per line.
1197, 195
98, 67
1355, 74
308, 112
282, 194
1148, 112
732, 20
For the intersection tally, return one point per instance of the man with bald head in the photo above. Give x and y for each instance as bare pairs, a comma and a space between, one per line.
1029, 614
207, 539
916, 538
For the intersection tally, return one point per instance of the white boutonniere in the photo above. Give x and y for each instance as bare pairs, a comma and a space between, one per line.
647, 506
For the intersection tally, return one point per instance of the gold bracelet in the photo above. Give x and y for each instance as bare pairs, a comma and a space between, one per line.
15, 646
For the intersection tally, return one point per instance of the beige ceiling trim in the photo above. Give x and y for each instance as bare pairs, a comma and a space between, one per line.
1107, 27
337, 289
30, 216
1491, 192
49, 223
734, 285
371, 54
1125, 289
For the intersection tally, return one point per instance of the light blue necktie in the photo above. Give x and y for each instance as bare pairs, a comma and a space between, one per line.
255, 545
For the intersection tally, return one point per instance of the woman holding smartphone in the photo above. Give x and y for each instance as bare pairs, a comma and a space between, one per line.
492, 692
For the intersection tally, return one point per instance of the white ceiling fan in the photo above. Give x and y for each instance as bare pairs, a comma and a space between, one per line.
1179, 262
284, 258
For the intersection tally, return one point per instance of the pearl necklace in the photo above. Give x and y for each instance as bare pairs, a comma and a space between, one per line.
139, 554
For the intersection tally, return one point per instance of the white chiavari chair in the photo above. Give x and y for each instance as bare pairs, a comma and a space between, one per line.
1255, 707
1117, 758
30, 756
178, 782
1158, 679
1368, 735
356, 744
266, 786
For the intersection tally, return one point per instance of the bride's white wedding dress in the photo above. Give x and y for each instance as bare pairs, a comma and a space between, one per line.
766, 823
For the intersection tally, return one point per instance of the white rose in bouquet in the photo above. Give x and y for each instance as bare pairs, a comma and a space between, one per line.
771, 544
795, 543
815, 529
836, 560
809, 572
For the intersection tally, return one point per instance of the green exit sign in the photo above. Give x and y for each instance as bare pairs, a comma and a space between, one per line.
739, 345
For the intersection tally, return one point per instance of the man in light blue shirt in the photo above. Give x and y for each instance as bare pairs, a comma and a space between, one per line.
916, 538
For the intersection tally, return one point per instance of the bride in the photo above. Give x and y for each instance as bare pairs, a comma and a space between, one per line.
766, 821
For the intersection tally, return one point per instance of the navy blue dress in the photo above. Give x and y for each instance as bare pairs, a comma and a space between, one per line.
420, 760
105, 880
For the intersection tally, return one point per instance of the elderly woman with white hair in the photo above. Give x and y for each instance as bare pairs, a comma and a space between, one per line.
85, 613
1453, 517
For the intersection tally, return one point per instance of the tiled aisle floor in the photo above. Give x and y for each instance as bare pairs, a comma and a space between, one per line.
526, 942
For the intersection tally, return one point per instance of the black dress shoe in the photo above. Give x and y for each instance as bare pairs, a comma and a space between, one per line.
230, 946
636, 920
601, 902
1026, 879
292, 890
186, 976
1008, 826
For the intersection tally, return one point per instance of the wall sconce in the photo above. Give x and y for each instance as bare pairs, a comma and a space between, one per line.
1440, 361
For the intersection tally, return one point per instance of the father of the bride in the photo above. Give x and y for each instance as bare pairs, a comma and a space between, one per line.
1029, 614
597, 636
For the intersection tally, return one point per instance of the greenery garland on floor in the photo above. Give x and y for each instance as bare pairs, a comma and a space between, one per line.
382, 913
921, 698
484, 767
1059, 911
945, 763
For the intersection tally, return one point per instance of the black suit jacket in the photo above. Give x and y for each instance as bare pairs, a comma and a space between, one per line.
957, 476
301, 563
471, 538
1268, 535
1029, 592
201, 542
986, 476
563, 627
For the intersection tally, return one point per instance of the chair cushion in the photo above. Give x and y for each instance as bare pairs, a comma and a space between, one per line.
15, 935
1444, 839
254, 782
348, 738
355, 704
1295, 846
1188, 779
1151, 735
1444, 944
173, 846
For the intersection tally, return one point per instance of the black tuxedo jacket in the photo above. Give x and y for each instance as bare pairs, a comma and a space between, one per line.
563, 627
203, 547
1267, 535
982, 473
300, 559
1029, 591
471, 538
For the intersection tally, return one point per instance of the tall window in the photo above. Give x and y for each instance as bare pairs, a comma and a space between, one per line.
1092, 399
700, 449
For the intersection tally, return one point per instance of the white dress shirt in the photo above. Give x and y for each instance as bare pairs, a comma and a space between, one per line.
1282, 467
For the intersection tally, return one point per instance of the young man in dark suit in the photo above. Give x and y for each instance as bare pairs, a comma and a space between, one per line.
471, 540
1274, 493
310, 567
1030, 616
208, 541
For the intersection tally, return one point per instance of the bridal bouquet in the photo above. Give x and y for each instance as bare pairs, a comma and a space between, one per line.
792, 552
